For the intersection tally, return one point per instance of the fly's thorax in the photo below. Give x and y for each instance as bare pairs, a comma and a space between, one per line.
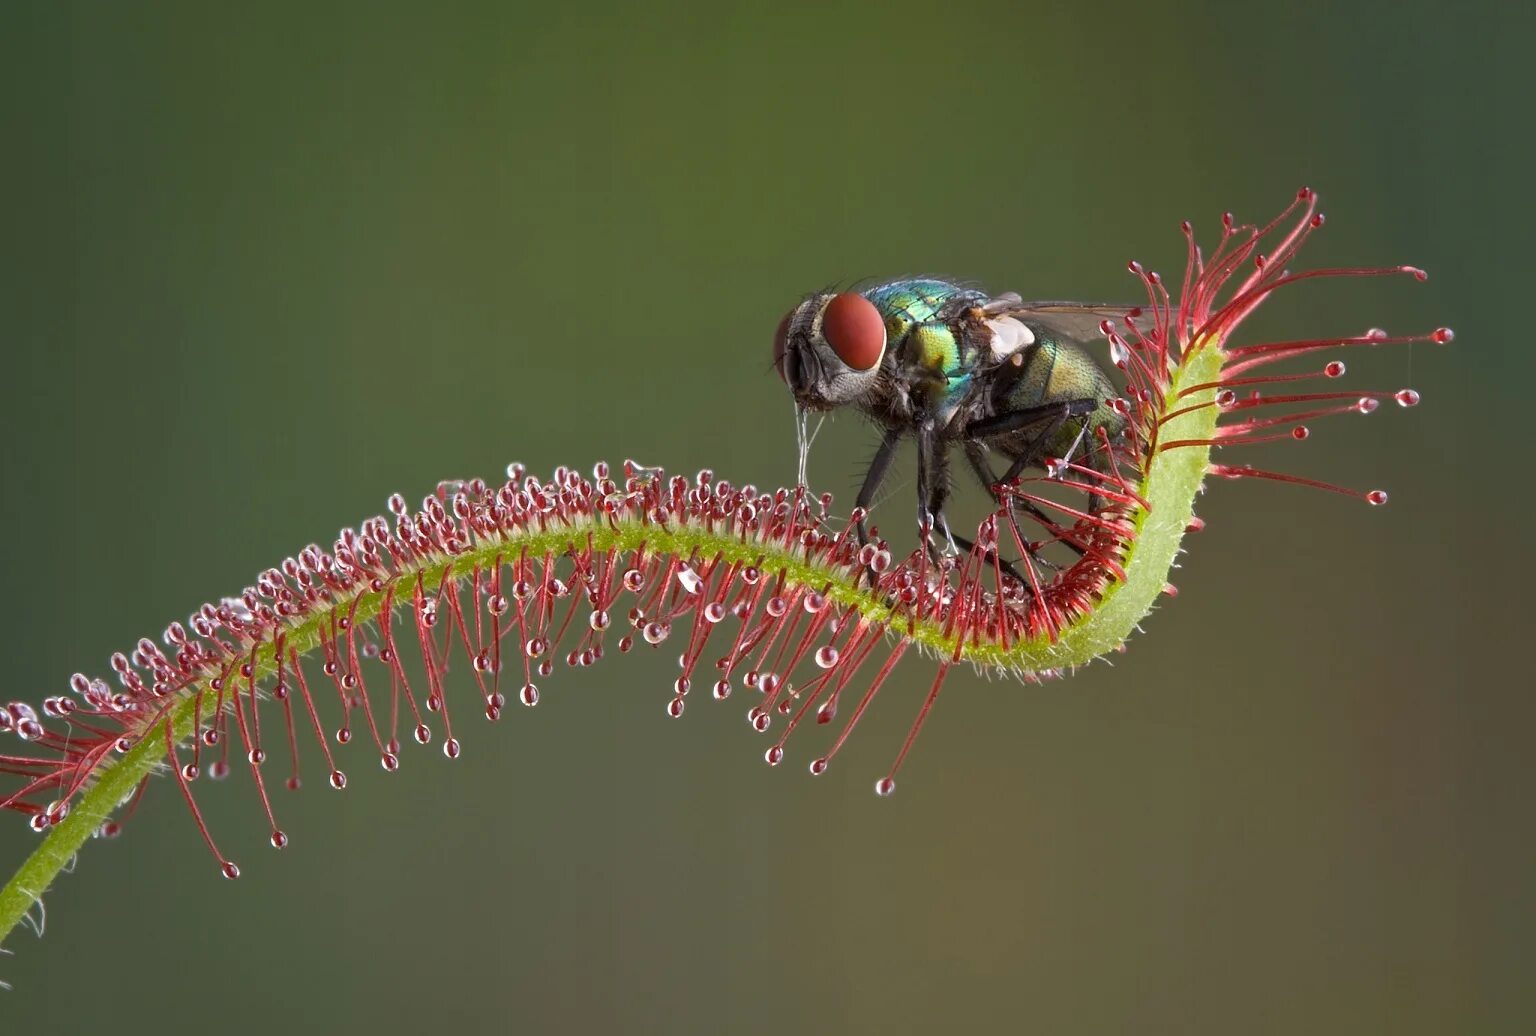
932, 351
910, 305
920, 300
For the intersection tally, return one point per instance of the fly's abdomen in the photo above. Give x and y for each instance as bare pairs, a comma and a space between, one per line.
1059, 372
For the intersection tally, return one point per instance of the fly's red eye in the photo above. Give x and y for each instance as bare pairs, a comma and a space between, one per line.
780, 343
854, 329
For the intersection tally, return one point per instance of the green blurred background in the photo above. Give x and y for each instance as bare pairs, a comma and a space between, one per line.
265, 264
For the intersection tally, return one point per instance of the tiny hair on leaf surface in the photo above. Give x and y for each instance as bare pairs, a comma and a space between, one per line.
767, 595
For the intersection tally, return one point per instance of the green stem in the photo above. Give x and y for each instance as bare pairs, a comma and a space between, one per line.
1170, 485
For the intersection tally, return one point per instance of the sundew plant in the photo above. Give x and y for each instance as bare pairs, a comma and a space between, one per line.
417, 623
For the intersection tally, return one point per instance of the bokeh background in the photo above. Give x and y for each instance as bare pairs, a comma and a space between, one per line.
265, 264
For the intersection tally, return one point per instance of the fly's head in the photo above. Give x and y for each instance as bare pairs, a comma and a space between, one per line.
828, 350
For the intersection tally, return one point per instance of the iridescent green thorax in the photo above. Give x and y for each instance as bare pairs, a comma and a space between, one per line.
917, 315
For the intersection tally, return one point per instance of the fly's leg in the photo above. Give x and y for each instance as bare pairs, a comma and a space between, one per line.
878, 466
1054, 415
990, 482
978, 462
932, 489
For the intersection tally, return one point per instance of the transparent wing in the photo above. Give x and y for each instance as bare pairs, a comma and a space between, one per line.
1074, 321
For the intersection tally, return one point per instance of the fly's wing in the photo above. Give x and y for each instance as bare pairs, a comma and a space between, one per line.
1074, 321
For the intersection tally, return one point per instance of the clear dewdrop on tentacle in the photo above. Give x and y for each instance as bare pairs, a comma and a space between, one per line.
763, 597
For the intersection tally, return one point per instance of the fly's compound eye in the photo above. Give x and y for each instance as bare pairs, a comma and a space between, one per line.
855, 330
780, 343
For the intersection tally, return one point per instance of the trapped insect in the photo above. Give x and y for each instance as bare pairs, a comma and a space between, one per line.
954, 366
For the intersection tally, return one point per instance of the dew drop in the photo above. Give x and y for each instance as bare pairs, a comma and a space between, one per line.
598, 620
451, 748
721, 690
230, 870
633, 580
343, 735
759, 719
654, 633
390, 761
818, 766
1367, 405
529, 695
682, 685
774, 756
1376, 497
1443, 336
1300, 432
884, 786
1406, 397
827, 713
675, 708
545, 667
256, 756
423, 733
338, 780
814, 602
826, 656
777, 606
188, 772
690, 580
279, 840
1335, 369
714, 612
210, 738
